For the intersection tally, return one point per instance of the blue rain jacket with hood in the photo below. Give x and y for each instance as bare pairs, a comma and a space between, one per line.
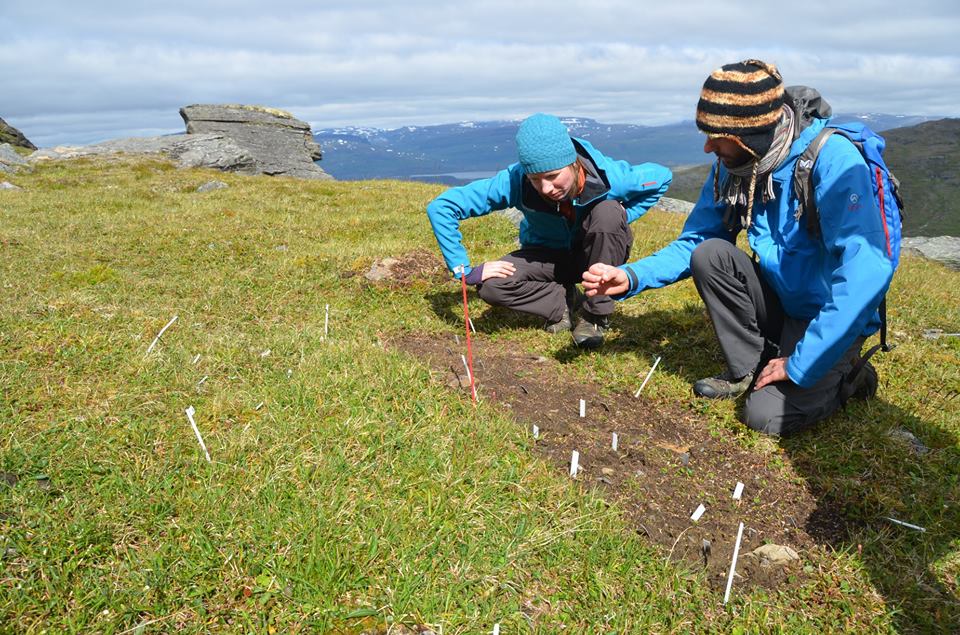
836, 280
637, 187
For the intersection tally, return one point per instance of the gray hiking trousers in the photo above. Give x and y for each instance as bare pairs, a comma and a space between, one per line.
752, 328
538, 285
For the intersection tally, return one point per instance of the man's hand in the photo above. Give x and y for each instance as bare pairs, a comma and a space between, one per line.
498, 269
601, 279
774, 371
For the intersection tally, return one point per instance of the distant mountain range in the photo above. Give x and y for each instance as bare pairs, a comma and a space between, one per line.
924, 154
455, 153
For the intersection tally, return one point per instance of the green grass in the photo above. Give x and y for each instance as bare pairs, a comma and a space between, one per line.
362, 493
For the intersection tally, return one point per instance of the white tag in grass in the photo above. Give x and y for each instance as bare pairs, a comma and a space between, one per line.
574, 463
614, 442
695, 516
738, 491
583, 408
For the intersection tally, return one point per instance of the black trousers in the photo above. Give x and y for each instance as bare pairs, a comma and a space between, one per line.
538, 285
752, 328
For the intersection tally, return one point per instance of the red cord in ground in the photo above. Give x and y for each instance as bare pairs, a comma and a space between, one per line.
466, 323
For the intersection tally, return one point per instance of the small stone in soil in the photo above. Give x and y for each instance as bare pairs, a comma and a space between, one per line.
775, 554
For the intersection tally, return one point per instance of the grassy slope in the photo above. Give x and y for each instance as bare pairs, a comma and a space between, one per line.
926, 159
362, 493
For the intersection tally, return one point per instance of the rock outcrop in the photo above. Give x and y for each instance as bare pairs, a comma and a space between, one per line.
9, 134
9, 159
674, 205
189, 151
945, 249
279, 143
245, 139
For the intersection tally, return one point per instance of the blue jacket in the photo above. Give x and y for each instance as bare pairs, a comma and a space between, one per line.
836, 281
637, 187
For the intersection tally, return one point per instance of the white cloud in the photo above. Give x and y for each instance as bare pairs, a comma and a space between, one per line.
80, 72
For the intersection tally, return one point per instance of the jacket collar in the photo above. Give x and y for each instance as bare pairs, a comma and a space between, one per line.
785, 169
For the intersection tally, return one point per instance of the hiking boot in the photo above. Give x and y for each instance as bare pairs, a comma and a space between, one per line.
574, 300
588, 333
865, 384
561, 325
722, 386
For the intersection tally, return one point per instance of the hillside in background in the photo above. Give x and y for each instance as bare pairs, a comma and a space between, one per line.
926, 159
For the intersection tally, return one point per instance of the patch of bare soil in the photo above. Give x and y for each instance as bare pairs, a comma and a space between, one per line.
412, 268
666, 465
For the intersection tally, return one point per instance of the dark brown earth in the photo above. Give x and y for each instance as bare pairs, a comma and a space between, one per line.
667, 462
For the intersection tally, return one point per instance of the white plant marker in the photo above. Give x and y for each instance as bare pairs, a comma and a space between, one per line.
738, 491
574, 463
614, 442
583, 408
907, 525
496, 629
649, 375
466, 367
472, 327
197, 358
733, 564
536, 431
200, 383
190, 412
326, 320
157, 338
265, 353
259, 405
457, 338
697, 513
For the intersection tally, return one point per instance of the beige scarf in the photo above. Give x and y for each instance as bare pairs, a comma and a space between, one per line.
738, 188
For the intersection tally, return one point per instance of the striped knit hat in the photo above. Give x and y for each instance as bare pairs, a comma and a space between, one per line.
742, 101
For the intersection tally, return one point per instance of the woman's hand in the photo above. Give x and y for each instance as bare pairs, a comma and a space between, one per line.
498, 269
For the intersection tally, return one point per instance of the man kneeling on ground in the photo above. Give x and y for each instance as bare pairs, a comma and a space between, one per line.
791, 320
577, 205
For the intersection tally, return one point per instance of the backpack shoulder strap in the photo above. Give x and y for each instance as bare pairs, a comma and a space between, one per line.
803, 180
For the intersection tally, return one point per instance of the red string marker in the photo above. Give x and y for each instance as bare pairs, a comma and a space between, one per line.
466, 322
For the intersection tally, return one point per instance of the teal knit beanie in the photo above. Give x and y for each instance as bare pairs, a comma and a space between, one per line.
543, 144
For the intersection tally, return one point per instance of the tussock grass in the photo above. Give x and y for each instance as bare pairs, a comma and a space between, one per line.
361, 493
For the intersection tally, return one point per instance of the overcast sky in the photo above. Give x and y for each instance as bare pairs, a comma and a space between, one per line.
79, 71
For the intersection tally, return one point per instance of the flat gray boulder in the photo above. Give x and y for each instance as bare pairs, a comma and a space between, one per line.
9, 159
280, 144
945, 249
674, 205
188, 151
